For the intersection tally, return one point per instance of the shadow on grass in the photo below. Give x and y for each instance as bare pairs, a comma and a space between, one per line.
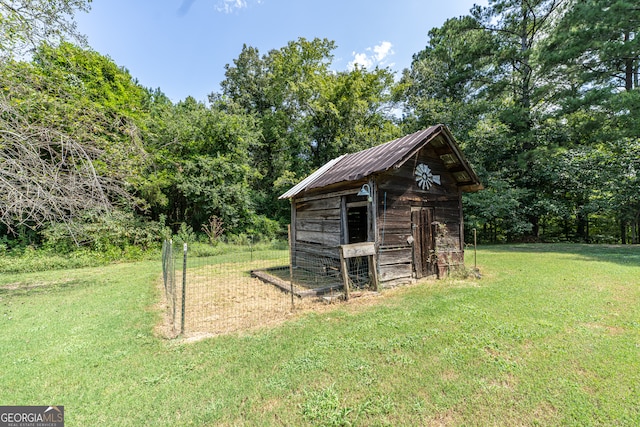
31, 288
618, 254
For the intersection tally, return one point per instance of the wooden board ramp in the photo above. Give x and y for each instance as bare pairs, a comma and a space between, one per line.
286, 287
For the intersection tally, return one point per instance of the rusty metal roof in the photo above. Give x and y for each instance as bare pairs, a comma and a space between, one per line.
352, 167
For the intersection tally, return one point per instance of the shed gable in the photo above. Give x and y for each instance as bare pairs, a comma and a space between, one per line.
392, 155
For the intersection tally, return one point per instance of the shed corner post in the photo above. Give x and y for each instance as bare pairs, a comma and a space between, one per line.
345, 274
461, 225
292, 233
373, 231
373, 265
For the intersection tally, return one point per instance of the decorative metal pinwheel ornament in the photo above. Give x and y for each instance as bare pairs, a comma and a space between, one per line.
424, 178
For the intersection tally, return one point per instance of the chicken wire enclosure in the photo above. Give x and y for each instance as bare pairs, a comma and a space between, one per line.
249, 288
311, 276
360, 276
217, 294
314, 275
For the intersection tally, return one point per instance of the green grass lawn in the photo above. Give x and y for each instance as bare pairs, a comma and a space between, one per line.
549, 336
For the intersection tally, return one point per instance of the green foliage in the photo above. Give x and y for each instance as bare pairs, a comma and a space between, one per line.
103, 232
595, 43
306, 113
534, 92
29, 259
496, 212
265, 228
185, 234
542, 96
201, 165
24, 24
70, 116
82, 93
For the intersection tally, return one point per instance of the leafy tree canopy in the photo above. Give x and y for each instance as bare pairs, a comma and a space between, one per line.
25, 24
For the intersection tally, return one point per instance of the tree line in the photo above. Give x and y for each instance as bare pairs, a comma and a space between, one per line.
542, 95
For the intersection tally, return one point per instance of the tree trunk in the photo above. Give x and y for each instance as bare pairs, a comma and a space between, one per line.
535, 226
582, 227
628, 67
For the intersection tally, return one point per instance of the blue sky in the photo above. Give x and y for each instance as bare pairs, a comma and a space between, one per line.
182, 46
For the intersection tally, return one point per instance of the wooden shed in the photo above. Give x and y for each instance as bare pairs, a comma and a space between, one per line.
404, 196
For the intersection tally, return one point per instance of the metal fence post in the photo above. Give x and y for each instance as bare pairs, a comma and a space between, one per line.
165, 270
172, 286
290, 263
475, 250
184, 285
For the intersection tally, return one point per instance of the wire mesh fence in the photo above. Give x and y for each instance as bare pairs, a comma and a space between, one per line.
169, 280
247, 287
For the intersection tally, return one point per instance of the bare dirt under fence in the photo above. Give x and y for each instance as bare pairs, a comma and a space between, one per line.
249, 303
219, 301
222, 294
254, 306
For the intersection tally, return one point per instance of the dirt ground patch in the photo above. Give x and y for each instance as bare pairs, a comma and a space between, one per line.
219, 302
219, 307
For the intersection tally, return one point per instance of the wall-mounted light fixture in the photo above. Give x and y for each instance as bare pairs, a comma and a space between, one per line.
366, 191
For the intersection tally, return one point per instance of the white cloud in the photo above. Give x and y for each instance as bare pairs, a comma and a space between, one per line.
361, 60
229, 6
373, 56
223, 6
382, 51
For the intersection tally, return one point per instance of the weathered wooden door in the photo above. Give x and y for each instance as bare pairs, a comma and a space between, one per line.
424, 261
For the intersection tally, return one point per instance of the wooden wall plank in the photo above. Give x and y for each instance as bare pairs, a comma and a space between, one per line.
319, 204
325, 214
358, 249
394, 272
317, 250
394, 256
397, 238
326, 239
316, 224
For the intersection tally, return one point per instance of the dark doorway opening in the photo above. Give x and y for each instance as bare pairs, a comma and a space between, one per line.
358, 232
357, 224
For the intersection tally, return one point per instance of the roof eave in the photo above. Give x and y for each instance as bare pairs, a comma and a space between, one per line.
308, 181
471, 188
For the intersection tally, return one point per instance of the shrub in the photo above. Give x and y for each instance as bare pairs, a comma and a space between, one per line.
263, 228
100, 233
